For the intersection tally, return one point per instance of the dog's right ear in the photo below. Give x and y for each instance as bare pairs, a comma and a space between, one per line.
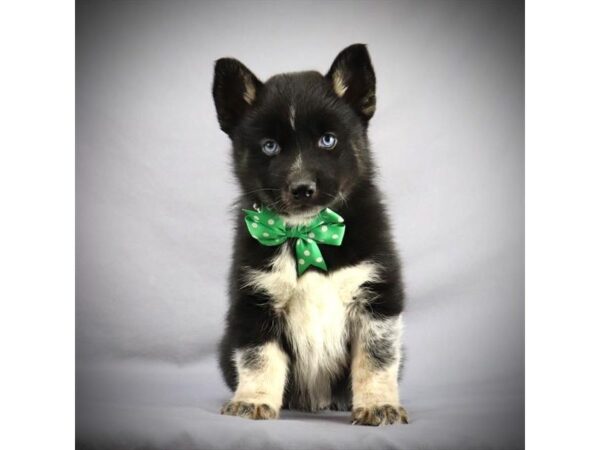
235, 89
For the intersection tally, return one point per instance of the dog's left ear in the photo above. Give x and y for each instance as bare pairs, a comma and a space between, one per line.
353, 79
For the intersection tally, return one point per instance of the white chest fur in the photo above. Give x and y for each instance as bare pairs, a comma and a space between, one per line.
318, 308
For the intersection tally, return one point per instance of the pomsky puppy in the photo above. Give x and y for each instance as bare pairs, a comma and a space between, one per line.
316, 295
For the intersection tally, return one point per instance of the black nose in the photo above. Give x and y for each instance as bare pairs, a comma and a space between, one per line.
302, 190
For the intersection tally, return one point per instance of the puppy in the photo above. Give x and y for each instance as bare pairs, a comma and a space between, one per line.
316, 295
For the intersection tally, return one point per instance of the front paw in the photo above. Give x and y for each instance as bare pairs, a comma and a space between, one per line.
379, 415
249, 410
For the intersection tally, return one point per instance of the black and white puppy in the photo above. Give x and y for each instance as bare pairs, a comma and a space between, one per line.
322, 339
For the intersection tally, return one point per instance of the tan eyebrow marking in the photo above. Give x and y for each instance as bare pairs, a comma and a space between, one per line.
293, 117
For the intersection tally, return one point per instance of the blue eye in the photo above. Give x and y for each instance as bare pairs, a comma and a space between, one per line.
270, 147
328, 141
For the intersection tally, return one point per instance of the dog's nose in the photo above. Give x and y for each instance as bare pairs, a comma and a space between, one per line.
303, 190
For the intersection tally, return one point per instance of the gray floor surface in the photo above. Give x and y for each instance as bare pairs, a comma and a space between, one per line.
137, 404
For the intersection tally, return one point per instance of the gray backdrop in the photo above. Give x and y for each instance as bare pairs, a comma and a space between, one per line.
154, 183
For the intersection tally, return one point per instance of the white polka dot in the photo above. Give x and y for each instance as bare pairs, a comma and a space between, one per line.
324, 228
311, 235
265, 234
340, 219
319, 259
306, 253
256, 218
335, 236
310, 241
271, 222
254, 225
301, 261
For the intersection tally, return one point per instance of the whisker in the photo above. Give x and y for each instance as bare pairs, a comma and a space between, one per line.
340, 196
258, 190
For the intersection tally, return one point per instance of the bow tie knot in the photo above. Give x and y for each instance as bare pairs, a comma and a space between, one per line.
327, 227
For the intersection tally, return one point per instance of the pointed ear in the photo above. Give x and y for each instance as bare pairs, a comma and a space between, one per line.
353, 79
235, 89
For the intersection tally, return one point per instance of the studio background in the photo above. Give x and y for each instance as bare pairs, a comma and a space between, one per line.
155, 191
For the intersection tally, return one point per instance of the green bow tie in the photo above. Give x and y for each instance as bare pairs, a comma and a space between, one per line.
326, 228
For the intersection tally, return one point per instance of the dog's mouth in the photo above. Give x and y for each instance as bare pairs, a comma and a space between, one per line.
284, 203
301, 216
307, 207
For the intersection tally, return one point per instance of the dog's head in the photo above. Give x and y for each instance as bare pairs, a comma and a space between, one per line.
299, 139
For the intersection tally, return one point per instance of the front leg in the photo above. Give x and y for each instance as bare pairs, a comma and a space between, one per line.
262, 372
376, 356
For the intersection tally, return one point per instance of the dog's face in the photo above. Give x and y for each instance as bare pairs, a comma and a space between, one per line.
299, 139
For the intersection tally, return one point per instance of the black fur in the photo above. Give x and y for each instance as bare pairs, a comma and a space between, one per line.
265, 180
